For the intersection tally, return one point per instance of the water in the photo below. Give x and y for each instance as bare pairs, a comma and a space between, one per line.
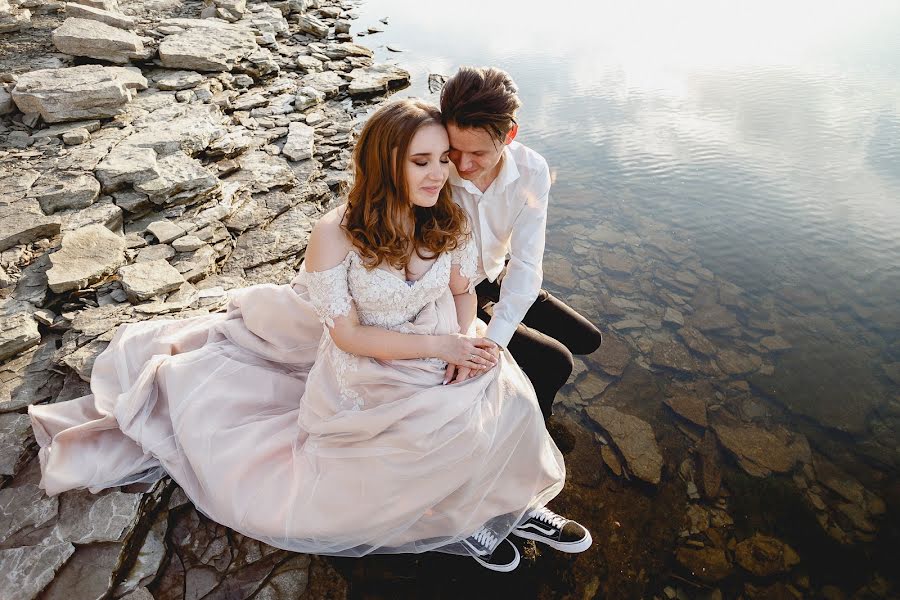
742, 158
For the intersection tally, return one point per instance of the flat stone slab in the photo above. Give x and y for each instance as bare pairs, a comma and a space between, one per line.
377, 79
177, 80
300, 141
77, 93
23, 222
24, 506
18, 332
760, 451
15, 428
94, 39
62, 190
87, 255
144, 280
635, 440
27, 570
206, 45
116, 19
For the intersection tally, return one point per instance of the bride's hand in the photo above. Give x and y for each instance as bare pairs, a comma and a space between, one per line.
466, 351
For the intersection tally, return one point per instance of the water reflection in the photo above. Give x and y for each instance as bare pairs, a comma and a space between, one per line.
726, 205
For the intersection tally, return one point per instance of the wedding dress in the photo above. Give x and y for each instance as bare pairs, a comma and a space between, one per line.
274, 431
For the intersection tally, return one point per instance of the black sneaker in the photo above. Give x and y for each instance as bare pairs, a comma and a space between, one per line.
544, 525
504, 558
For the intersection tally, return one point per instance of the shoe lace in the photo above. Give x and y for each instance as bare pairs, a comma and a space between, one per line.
485, 537
548, 516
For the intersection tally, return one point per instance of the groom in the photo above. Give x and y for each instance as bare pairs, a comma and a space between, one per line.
504, 187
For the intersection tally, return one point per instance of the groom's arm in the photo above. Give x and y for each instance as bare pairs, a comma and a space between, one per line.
524, 272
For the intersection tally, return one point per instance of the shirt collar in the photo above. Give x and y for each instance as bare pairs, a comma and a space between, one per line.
509, 172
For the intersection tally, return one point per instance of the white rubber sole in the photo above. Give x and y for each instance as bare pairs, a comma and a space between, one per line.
501, 568
570, 547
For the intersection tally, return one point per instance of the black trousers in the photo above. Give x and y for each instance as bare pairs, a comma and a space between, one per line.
545, 340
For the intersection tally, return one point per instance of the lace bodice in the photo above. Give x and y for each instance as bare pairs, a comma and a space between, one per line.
382, 298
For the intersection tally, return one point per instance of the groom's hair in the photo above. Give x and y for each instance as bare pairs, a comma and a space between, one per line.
482, 97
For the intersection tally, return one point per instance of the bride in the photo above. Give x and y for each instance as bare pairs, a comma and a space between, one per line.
317, 416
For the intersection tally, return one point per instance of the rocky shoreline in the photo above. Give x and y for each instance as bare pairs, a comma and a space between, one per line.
156, 154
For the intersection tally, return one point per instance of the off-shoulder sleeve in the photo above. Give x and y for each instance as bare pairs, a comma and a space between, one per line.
466, 257
329, 292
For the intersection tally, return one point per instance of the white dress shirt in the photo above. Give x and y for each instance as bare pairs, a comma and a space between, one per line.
510, 217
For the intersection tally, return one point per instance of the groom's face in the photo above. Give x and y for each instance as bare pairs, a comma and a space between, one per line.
475, 152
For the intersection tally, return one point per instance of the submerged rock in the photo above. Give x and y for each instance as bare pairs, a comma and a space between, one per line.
765, 556
707, 564
760, 451
634, 438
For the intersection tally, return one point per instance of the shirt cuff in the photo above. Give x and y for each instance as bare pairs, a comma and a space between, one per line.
500, 331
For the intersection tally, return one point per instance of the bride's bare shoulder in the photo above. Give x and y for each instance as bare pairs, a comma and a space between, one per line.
328, 243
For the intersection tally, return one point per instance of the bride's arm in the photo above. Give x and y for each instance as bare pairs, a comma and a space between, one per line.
327, 248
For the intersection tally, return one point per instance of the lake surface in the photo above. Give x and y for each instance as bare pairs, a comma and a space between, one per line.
729, 170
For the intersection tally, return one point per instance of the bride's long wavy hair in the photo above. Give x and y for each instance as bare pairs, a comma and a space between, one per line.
378, 204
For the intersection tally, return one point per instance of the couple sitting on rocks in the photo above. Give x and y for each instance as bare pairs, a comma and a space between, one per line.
364, 407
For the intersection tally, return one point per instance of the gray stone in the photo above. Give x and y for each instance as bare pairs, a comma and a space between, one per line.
672, 355
14, 431
155, 252
103, 212
24, 222
18, 332
27, 570
326, 82
309, 64
345, 49
108, 5
673, 316
696, 341
87, 255
181, 179
166, 231
127, 165
85, 517
377, 79
178, 80
173, 128
26, 379
76, 136
188, 243
6, 102
116, 19
84, 37
308, 96
312, 26
82, 360
75, 93
261, 172
144, 280
206, 45
60, 190
24, 506
299, 144
15, 20
634, 438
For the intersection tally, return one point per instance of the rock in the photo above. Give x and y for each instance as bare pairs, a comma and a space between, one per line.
710, 459
309, 64
689, 407
760, 451
634, 439
345, 49
713, 318
115, 19
673, 316
592, 386
308, 96
14, 19
127, 165
613, 356
61, 190
76, 136
166, 231
15, 429
87, 518
83, 37
87, 255
188, 243
75, 93
27, 570
108, 5
206, 45
735, 363
765, 556
707, 564
24, 222
6, 102
27, 378
616, 263
775, 343
178, 80
326, 82
312, 26
181, 179
696, 341
18, 332
144, 280
24, 506
611, 460
377, 79
672, 355
262, 172
299, 144
155, 252
228, 10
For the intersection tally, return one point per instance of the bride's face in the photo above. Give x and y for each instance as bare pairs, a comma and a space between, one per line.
427, 164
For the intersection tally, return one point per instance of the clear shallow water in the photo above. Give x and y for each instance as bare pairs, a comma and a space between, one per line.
719, 158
